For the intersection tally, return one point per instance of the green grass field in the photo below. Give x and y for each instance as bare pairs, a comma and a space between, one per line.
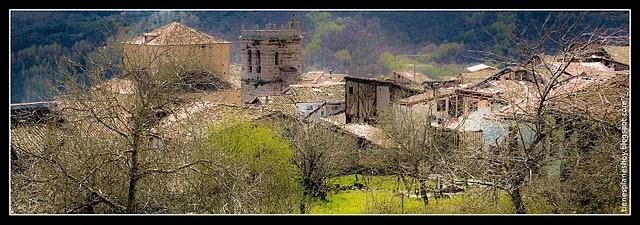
379, 199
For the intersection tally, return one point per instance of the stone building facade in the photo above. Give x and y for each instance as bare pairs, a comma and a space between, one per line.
178, 44
271, 59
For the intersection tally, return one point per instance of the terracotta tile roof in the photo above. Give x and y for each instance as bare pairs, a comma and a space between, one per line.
426, 96
475, 77
78, 121
312, 75
304, 93
81, 114
577, 68
410, 75
337, 119
618, 53
175, 34
28, 137
596, 96
370, 133
509, 90
539, 73
184, 123
320, 78
281, 103
192, 120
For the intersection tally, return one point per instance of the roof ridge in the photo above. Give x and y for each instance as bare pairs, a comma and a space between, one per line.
176, 33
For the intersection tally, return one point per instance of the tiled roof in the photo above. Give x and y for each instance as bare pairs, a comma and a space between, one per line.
577, 68
370, 133
312, 75
475, 77
176, 34
413, 76
426, 96
83, 114
320, 78
185, 121
320, 93
193, 119
596, 96
281, 103
540, 74
28, 137
618, 53
510, 90
337, 119
79, 120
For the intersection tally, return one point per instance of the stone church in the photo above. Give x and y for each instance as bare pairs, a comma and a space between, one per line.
271, 59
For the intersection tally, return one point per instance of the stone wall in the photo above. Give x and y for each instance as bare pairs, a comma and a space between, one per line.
211, 57
278, 64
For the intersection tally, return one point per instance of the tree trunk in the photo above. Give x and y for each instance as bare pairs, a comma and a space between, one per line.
518, 179
516, 198
402, 202
302, 206
133, 179
423, 191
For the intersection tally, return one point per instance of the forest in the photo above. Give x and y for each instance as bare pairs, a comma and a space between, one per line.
359, 43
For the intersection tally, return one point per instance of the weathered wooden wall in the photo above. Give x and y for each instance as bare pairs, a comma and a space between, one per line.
360, 101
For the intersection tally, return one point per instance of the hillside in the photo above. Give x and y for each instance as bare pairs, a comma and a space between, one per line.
359, 43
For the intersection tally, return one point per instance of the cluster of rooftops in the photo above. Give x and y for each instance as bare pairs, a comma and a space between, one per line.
321, 96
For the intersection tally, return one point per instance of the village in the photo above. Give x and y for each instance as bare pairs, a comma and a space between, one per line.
473, 111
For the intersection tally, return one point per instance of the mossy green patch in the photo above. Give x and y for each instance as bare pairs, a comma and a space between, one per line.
379, 199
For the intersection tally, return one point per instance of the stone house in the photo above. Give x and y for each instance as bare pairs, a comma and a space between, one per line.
178, 43
409, 78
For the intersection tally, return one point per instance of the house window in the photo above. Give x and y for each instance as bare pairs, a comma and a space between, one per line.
441, 105
350, 90
249, 61
258, 68
277, 56
473, 106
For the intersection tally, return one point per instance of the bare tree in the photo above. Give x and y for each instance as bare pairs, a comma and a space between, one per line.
418, 151
321, 152
106, 157
546, 51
